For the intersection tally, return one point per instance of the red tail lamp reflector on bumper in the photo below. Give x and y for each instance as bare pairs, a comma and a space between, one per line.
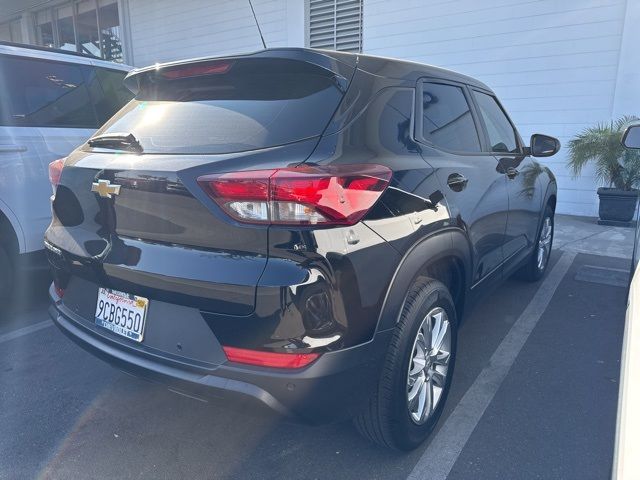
269, 359
305, 195
59, 290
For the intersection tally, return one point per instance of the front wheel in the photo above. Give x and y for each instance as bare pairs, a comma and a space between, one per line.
536, 266
417, 373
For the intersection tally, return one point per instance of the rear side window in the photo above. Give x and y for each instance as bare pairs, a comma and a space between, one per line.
502, 135
112, 95
446, 118
245, 105
39, 93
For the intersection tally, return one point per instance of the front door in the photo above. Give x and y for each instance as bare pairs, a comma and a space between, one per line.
521, 174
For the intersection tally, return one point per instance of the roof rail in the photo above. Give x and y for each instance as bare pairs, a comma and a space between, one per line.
48, 49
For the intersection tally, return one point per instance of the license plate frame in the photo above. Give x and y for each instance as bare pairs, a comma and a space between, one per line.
122, 313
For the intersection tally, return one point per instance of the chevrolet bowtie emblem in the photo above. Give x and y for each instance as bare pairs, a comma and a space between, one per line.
105, 189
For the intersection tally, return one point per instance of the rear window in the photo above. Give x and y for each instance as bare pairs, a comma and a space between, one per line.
250, 104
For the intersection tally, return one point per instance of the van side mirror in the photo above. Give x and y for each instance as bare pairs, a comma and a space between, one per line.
543, 145
631, 137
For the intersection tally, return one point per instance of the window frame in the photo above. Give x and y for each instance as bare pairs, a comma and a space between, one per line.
521, 148
83, 74
419, 108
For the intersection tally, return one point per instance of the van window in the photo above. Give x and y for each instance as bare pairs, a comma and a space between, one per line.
112, 95
502, 136
446, 118
40, 93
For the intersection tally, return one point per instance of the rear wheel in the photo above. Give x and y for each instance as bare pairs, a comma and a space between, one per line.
537, 264
417, 372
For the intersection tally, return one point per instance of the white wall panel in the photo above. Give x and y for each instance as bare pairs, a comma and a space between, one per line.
165, 30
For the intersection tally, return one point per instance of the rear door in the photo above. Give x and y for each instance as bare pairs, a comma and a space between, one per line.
521, 174
475, 190
45, 112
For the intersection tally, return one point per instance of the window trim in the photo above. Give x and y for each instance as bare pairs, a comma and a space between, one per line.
521, 148
83, 74
418, 109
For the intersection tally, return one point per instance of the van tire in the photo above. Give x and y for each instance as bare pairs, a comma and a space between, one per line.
7, 277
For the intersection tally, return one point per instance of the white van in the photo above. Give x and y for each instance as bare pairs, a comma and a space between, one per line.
51, 101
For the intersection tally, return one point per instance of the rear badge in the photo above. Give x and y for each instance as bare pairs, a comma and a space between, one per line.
105, 189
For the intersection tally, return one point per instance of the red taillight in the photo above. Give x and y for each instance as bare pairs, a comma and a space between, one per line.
55, 171
185, 71
306, 195
269, 359
59, 290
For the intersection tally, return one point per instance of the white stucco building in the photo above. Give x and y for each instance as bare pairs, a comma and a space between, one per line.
557, 65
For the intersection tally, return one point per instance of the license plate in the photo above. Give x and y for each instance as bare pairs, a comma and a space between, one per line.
122, 313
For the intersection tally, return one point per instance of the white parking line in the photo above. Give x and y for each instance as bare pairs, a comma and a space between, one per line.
25, 331
443, 450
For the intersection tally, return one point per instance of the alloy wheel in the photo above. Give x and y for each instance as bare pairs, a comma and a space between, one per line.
429, 365
544, 243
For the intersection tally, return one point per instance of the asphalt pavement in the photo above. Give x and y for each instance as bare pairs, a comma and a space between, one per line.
534, 396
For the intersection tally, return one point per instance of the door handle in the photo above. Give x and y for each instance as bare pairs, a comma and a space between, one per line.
12, 148
512, 173
457, 182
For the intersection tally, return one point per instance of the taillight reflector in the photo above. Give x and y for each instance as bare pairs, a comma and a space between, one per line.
55, 171
269, 359
305, 195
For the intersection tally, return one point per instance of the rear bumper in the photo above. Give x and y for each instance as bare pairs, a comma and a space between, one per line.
335, 387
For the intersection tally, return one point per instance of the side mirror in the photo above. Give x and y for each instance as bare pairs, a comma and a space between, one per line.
631, 137
543, 145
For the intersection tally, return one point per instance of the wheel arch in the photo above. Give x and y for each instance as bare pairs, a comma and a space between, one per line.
551, 190
444, 256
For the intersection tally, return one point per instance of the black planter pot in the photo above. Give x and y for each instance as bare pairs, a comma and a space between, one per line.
617, 205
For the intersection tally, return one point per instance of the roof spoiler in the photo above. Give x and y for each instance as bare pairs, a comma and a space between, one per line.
340, 64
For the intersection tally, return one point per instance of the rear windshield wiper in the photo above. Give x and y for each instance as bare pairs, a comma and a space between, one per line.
117, 141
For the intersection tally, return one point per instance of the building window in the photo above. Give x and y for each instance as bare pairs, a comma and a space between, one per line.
11, 31
336, 25
85, 26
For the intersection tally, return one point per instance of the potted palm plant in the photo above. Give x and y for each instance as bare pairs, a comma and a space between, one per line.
615, 166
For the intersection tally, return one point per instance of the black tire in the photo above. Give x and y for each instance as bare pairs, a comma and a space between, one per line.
386, 420
7, 276
532, 271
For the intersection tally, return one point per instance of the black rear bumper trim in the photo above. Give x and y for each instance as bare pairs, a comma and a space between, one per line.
332, 388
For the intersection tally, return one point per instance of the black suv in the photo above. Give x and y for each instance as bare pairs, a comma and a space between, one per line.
297, 229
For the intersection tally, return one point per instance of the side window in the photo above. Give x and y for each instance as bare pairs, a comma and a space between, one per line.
446, 118
112, 96
39, 93
502, 135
